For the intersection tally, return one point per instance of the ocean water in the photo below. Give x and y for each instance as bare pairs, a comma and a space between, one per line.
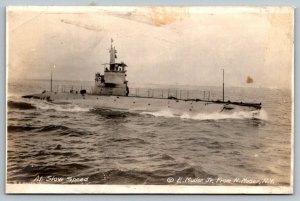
100, 146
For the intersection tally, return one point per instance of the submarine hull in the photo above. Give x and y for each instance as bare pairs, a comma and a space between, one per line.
132, 103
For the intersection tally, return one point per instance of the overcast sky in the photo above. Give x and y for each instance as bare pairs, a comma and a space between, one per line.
178, 45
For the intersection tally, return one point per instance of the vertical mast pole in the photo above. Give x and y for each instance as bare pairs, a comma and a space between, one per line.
223, 84
51, 81
112, 52
51, 77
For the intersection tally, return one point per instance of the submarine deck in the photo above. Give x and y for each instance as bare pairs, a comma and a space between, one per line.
146, 103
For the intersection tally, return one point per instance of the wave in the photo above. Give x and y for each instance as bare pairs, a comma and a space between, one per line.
75, 133
60, 107
45, 105
117, 176
112, 113
162, 113
12, 128
53, 128
53, 154
20, 105
129, 140
54, 169
167, 157
262, 115
235, 115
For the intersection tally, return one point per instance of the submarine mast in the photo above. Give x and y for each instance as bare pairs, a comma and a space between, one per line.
113, 54
223, 84
51, 77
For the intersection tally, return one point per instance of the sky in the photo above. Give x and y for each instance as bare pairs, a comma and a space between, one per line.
160, 45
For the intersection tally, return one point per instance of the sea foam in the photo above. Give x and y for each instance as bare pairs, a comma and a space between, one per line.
211, 116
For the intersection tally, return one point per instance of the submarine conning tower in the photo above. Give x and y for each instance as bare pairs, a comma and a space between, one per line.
113, 81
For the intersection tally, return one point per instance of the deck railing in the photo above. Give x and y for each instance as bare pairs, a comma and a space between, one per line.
172, 93
148, 92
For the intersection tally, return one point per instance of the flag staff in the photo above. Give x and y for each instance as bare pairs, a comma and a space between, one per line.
51, 77
223, 84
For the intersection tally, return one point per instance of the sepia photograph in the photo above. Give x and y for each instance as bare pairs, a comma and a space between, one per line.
149, 100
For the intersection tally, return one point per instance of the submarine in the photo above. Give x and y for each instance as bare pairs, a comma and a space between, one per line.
111, 91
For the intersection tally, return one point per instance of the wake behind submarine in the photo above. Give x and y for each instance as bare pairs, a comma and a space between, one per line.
111, 91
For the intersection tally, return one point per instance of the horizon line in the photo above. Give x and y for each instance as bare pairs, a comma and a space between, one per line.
172, 84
